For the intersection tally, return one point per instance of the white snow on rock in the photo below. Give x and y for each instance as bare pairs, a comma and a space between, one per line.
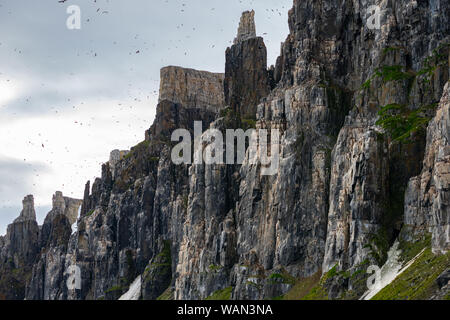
390, 270
74, 227
134, 293
75, 224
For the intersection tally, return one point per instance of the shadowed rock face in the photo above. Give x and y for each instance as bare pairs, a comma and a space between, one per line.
48, 269
18, 250
427, 201
246, 76
191, 230
247, 80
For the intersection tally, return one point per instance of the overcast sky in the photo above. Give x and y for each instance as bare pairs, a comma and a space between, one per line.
69, 97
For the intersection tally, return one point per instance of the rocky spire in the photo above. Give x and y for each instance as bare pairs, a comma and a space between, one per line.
64, 206
247, 29
58, 202
246, 76
28, 212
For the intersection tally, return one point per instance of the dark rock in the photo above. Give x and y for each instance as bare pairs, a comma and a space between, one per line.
246, 76
443, 279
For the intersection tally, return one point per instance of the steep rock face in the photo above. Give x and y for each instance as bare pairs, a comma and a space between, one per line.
21, 237
18, 251
114, 158
427, 206
28, 212
338, 193
244, 229
193, 88
246, 76
47, 281
247, 28
287, 211
132, 218
207, 249
62, 206
361, 182
158, 274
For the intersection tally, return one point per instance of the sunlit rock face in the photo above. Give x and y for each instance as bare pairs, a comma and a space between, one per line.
247, 27
192, 88
28, 212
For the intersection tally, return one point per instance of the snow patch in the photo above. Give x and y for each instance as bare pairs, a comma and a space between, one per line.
390, 270
74, 227
134, 293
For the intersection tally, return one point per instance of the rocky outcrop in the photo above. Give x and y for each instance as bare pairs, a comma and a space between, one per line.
114, 158
18, 250
363, 188
46, 281
131, 221
247, 27
427, 207
158, 274
247, 80
352, 105
186, 95
21, 237
193, 88
28, 212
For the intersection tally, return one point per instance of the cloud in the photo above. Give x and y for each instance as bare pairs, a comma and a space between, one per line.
69, 97
17, 178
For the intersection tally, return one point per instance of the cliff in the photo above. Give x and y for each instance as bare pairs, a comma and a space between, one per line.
20, 249
364, 163
197, 89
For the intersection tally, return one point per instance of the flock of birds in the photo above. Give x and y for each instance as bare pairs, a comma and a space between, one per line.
139, 125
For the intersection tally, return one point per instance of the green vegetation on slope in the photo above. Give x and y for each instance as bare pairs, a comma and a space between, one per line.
167, 295
303, 287
224, 294
418, 282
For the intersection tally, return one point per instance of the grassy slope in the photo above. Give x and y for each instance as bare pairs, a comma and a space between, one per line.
418, 282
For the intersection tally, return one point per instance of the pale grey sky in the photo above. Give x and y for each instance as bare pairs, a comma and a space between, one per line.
69, 97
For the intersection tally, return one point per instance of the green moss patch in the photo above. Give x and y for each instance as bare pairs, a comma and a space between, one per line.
224, 294
282, 277
114, 289
410, 249
401, 123
303, 287
320, 292
167, 295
